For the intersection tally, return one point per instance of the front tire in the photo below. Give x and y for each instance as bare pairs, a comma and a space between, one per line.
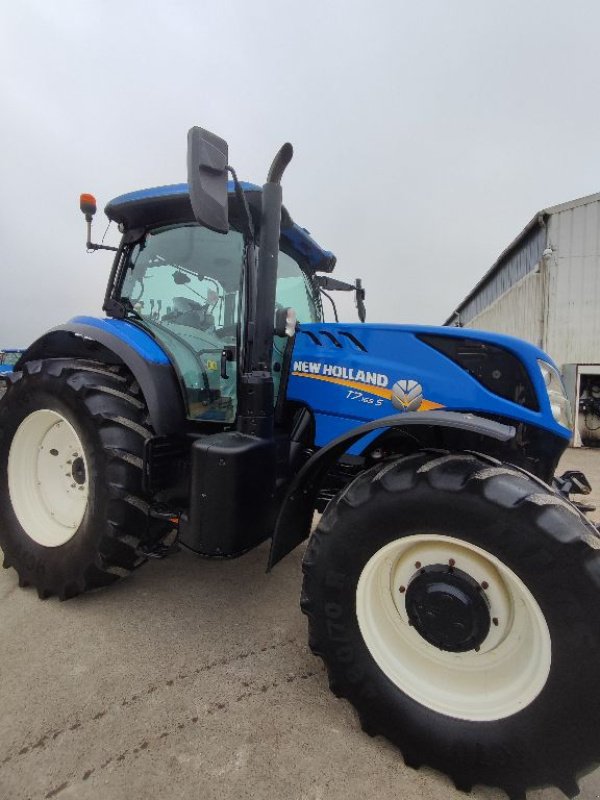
72, 512
455, 602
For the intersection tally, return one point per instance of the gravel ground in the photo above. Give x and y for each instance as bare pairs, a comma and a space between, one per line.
192, 679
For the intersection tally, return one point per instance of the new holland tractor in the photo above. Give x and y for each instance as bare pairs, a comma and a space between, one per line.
452, 589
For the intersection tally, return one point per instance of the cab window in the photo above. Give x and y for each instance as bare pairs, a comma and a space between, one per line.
294, 290
184, 282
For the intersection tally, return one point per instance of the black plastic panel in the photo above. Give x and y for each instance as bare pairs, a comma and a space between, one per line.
497, 369
232, 489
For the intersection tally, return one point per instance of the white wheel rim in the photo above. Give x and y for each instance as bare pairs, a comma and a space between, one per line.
48, 478
513, 662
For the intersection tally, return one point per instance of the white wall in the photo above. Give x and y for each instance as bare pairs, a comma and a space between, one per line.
557, 307
517, 312
573, 320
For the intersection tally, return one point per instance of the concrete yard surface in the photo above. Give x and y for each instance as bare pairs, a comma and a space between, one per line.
191, 679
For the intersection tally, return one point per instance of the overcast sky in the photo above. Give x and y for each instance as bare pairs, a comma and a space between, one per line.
426, 134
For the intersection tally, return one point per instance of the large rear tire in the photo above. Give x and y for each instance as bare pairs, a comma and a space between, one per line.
72, 512
455, 602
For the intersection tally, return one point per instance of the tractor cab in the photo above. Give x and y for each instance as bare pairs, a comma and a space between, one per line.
189, 286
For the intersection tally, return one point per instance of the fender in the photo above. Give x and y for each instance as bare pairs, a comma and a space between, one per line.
295, 515
115, 341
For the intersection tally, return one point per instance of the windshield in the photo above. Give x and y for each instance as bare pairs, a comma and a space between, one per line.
294, 290
184, 282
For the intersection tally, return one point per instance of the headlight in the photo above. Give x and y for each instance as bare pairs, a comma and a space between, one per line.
559, 402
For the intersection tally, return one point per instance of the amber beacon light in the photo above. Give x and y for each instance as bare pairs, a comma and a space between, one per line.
87, 204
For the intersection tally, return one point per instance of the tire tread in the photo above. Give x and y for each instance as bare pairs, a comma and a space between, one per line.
123, 414
450, 473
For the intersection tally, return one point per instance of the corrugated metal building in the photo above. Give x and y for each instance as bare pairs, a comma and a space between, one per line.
545, 287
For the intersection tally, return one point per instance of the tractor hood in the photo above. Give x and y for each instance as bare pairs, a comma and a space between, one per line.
165, 205
348, 374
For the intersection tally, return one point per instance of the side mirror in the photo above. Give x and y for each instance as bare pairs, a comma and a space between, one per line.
207, 158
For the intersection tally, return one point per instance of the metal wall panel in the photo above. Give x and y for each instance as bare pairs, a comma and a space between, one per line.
573, 309
518, 312
516, 266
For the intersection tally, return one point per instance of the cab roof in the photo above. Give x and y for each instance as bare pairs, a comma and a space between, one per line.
163, 205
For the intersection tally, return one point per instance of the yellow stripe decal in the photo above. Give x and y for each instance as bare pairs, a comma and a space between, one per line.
426, 405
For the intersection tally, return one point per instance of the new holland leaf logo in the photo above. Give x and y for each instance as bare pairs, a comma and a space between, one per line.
407, 395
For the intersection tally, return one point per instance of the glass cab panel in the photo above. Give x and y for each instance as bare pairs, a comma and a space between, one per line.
294, 290
184, 282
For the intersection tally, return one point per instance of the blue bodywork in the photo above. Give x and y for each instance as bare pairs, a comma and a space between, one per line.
142, 343
345, 373
394, 353
323, 374
114, 209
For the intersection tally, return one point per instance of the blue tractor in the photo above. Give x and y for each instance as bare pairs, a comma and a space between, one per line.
8, 358
451, 588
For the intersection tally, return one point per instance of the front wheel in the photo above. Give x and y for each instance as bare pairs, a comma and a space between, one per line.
456, 604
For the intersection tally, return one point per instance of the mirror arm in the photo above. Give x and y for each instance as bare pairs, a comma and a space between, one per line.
248, 231
90, 247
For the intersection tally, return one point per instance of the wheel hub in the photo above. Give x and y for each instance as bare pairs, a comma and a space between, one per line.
453, 627
48, 478
78, 471
447, 608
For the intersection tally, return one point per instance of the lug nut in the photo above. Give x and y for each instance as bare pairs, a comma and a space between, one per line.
484, 585
417, 565
495, 620
402, 589
451, 562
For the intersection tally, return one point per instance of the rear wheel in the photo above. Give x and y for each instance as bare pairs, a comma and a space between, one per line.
72, 513
456, 603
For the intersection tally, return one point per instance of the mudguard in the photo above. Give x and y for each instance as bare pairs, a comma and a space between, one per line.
295, 515
119, 341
